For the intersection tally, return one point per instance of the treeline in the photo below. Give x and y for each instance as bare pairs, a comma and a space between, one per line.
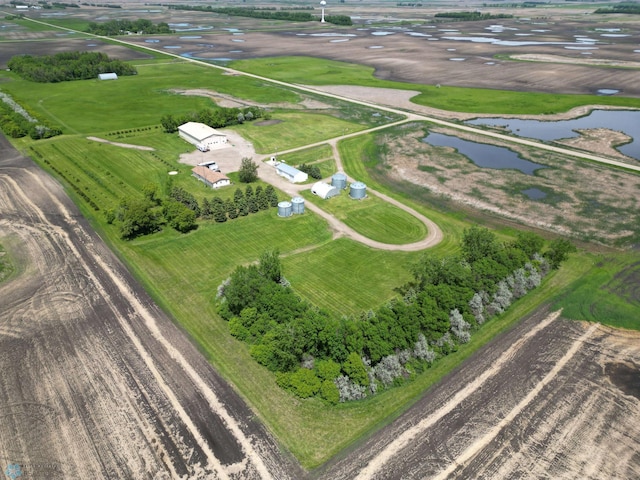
342, 359
631, 8
312, 170
338, 20
216, 118
123, 27
268, 13
16, 122
67, 66
137, 216
472, 16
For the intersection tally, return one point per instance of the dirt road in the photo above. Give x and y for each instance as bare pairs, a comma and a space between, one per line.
96, 381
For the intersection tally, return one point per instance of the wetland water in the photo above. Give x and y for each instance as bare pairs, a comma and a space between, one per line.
626, 121
484, 155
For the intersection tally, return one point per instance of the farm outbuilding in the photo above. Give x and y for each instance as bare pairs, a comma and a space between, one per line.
291, 173
201, 135
324, 190
210, 177
107, 76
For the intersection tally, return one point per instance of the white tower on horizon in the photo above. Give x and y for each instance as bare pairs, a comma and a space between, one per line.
322, 4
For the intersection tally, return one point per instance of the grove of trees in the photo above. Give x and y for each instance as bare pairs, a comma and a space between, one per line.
122, 27
66, 66
349, 358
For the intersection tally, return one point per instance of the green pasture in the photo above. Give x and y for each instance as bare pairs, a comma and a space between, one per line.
608, 293
316, 71
134, 101
294, 129
373, 217
354, 277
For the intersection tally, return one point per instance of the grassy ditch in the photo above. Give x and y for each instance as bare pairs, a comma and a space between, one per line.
608, 292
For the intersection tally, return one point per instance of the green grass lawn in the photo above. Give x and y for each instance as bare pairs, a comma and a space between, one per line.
354, 278
316, 71
373, 218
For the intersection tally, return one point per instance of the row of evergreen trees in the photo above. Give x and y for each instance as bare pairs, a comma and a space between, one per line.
241, 205
341, 359
137, 216
67, 66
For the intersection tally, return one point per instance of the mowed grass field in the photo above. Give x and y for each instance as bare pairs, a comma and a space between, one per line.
182, 272
315, 71
135, 101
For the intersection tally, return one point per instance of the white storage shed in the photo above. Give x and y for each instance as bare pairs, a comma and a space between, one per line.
201, 134
291, 173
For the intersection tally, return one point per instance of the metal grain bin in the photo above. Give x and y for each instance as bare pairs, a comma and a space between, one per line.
284, 209
297, 205
339, 180
358, 190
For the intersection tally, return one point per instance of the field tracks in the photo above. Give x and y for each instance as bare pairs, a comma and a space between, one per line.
402, 441
482, 442
140, 314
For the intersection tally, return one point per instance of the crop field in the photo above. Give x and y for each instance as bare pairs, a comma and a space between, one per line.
121, 354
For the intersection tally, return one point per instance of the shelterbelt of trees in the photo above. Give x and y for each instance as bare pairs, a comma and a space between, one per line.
472, 16
339, 359
16, 122
123, 27
269, 13
215, 118
67, 66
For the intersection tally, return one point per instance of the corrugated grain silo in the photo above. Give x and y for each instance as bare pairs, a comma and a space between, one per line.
339, 180
284, 209
297, 205
357, 190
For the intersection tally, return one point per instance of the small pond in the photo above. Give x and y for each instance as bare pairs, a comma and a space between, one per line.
534, 193
483, 155
626, 121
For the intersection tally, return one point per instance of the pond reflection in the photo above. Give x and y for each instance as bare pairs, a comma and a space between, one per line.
483, 155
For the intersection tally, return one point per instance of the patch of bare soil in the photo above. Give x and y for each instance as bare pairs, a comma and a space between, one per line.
532, 57
123, 145
229, 101
537, 402
605, 210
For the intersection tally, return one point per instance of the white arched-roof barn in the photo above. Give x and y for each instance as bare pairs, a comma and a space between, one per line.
324, 190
